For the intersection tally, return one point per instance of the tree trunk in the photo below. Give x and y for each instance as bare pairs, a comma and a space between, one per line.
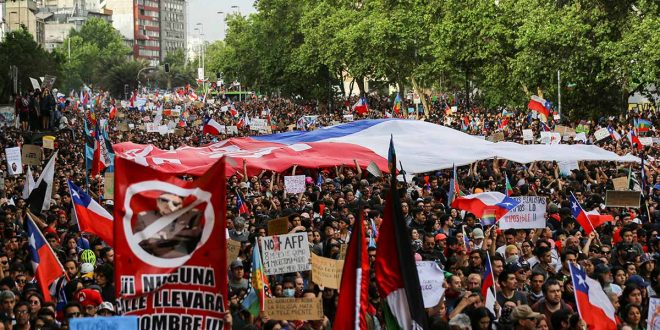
360, 83
419, 92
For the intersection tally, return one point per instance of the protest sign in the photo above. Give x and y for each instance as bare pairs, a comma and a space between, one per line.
48, 82
550, 138
496, 137
431, 280
14, 161
279, 226
175, 112
151, 127
233, 250
601, 134
581, 137
163, 129
374, 170
326, 272
109, 185
258, 124
285, 253
123, 127
566, 166
343, 248
565, 130
48, 142
31, 155
294, 308
454, 109
615, 198
104, 323
646, 141
621, 183
528, 214
294, 184
348, 117
232, 130
35, 83
164, 281
528, 135
7, 116
653, 318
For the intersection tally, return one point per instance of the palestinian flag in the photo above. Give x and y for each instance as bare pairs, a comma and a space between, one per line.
396, 271
353, 304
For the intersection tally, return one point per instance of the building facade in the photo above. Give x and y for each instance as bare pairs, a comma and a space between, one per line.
172, 26
24, 13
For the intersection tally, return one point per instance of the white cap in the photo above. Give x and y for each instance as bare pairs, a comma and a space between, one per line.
86, 268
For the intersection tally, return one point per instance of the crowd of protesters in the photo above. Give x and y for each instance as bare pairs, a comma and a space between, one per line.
530, 266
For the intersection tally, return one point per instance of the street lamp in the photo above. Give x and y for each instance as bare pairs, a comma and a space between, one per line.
222, 22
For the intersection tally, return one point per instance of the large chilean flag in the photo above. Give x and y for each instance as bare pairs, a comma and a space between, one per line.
396, 271
594, 306
491, 202
353, 304
44, 262
92, 217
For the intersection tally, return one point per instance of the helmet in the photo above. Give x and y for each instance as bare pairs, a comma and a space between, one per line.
88, 256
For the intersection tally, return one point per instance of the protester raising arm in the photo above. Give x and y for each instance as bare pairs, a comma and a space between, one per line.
358, 170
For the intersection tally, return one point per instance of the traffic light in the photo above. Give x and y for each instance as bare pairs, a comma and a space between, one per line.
167, 68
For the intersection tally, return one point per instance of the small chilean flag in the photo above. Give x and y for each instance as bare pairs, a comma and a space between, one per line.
634, 140
241, 206
508, 189
488, 287
353, 303
92, 217
113, 112
588, 221
212, 127
44, 262
481, 202
540, 105
594, 306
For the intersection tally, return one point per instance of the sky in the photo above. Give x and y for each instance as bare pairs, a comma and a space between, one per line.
206, 12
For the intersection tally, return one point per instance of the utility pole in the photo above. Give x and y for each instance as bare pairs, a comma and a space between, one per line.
559, 93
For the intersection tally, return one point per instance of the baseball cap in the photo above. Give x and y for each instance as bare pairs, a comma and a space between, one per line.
87, 270
638, 280
477, 233
440, 237
88, 297
523, 312
236, 263
107, 306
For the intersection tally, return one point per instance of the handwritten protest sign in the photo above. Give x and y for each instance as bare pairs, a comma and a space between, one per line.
105, 323
615, 198
343, 248
646, 141
279, 226
528, 214
602, 133
109, 185
285, 253
48, 82
151, 127
528, 135
48, 142
294, 308
348, 117
35, 83
233, 249
326, 272
550, 138
496, 137
294, 184
620, 183
31, 155
232, 130
431, 280
14, 161
258, 124
565, 130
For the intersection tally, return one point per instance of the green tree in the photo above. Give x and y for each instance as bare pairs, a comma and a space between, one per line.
19, 48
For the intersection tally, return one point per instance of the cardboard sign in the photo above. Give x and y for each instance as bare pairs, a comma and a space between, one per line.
602, 133
48, 142
123, 127
233, 249
294, 308
550, 138
109, 185
326, 272
348, 117
32, 155
528, 135
232, 130
285, 253
621, 183
49, 81
279, 226
581, 137
496, 137
431, 280
615, 198
104, 323
646, 141
565, 130
258, 124
14, 160
342, 251
151, 127
294, 184
530, 213
179, 131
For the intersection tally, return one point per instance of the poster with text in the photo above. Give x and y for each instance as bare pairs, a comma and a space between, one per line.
530, 213
294, 184
285, 253
168, 231
14, 162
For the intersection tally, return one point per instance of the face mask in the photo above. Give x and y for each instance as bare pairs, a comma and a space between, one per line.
289, 292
